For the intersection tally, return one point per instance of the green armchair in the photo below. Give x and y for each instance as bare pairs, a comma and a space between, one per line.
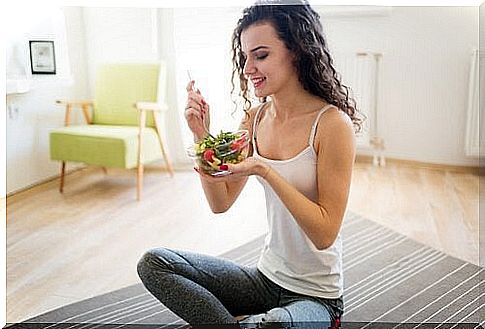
123, 127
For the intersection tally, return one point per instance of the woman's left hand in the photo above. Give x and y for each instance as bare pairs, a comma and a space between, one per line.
249, 166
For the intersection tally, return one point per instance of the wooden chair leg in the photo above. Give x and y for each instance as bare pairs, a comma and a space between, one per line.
63, 171
139, 181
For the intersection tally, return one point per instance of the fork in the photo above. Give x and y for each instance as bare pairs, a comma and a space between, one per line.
194, 89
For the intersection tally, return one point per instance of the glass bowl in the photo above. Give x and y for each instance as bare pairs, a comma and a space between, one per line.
214, 151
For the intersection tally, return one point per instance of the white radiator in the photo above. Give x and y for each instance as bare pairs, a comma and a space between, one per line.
360, 72
475, 112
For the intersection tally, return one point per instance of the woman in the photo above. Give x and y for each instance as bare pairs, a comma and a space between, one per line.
302, 152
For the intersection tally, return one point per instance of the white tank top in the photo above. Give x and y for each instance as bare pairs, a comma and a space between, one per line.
289, 258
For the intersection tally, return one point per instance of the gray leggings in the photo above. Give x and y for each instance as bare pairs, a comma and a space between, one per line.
207, 290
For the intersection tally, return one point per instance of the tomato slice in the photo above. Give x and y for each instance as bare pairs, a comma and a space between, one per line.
208, 154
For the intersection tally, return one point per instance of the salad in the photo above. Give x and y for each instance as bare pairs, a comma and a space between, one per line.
226, 147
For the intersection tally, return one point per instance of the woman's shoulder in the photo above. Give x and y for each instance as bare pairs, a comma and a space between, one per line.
248, 119
247, 122
333, 118
255, 109
331, 123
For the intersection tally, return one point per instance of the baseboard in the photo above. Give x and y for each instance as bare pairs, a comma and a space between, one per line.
44, 181
418, 164
152, 167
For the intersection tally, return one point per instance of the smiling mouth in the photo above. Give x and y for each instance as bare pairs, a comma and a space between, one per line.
258, 82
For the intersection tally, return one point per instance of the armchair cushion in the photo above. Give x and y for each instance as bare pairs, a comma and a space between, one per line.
103, 145
118, 87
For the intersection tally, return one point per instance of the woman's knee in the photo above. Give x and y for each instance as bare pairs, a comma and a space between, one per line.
152, 261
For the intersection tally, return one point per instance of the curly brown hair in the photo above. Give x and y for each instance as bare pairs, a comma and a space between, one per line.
299, 27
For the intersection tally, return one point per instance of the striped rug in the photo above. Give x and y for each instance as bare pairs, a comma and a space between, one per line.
390, 282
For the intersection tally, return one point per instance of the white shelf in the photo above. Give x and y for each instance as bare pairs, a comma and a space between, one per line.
18, 86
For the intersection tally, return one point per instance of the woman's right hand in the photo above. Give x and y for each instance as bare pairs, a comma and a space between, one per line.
197, 112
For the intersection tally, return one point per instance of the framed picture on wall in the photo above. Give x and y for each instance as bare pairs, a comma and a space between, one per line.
42, 57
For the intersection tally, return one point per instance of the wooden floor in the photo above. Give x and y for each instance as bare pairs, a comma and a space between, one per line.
62, 248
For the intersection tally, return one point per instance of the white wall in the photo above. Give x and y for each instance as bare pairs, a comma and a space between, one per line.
424, 74
117, 35
27, 129
425, 66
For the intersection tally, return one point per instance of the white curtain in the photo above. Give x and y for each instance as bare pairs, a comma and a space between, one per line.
202, 41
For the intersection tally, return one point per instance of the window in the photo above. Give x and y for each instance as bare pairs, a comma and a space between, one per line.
203, 46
